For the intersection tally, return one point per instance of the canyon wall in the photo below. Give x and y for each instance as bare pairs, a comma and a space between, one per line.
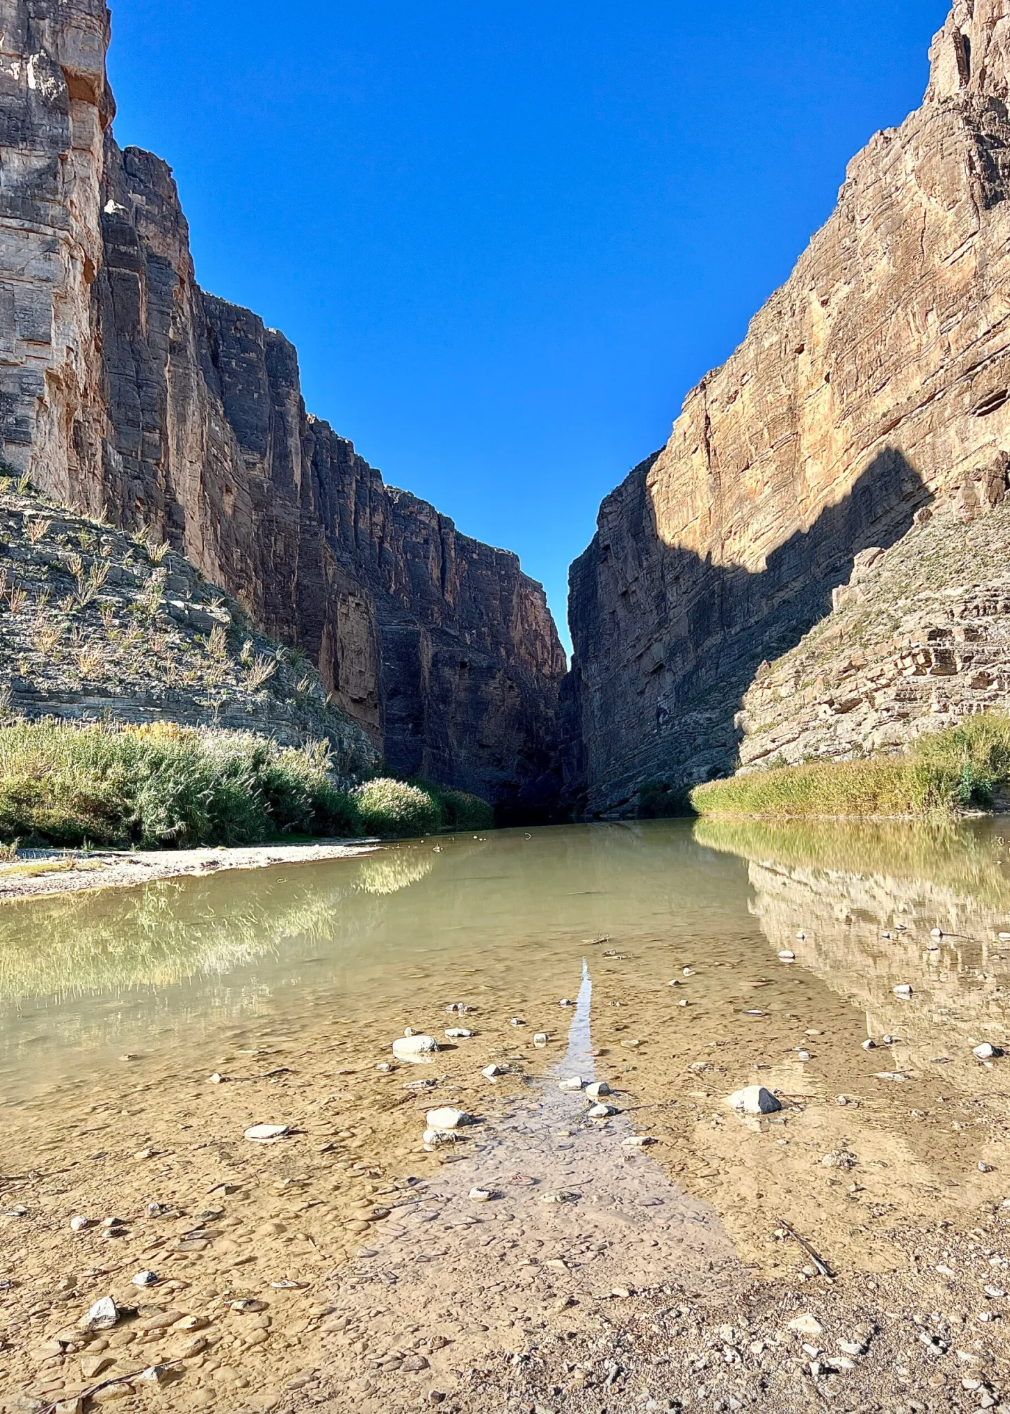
870, 394
127, 390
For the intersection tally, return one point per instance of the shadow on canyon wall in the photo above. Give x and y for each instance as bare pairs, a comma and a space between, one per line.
666, 643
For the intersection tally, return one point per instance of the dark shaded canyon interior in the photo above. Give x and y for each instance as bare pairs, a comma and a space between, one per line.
719, 624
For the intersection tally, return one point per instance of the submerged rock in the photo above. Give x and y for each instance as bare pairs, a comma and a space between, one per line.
419, 1048
754, 1100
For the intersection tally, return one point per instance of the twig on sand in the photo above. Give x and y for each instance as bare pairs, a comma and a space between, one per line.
87, 1394
823, 1270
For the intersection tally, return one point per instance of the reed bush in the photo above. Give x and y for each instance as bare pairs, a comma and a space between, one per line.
395, 809
941, 775
164, 785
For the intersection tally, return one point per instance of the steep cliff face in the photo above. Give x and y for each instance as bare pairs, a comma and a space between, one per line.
873, 384
126, 388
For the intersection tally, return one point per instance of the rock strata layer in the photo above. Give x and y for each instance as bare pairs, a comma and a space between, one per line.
126, 389
874, 384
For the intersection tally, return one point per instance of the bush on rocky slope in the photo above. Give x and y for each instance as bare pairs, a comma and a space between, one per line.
960, 768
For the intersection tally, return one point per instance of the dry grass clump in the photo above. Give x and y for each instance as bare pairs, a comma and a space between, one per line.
957, 769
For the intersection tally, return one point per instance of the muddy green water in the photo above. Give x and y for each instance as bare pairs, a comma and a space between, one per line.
87, 978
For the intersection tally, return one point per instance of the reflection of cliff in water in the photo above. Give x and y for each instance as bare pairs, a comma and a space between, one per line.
175, 930
843, 887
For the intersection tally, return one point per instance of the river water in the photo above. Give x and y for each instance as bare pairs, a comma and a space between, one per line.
666, 938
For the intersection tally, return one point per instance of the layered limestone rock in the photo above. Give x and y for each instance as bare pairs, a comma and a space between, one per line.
126, 389
875, 383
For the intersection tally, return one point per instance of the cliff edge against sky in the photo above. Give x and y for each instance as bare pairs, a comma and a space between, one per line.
869, 398
127, 390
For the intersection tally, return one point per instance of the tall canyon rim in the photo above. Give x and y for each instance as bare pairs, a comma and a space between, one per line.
127, 391
815, 563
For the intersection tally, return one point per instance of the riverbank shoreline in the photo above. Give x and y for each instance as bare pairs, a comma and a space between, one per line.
44, 872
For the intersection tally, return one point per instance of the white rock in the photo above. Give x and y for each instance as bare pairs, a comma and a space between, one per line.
418, 1049
574, 1082
903, 990
458, 1033
754, 1100
217, 1078
154, 1374
79, 1223
102, 1316
432, 1138
384, 1067
1004, 937
266, 1133
638, 1141
602, 1111
408, 1031
869, 1045
480, 1195
786, 956
566, 1001
145, 1278
801, 936
446, 1118
936, 932
806, 1325
986, 1052
492, 1070
803, 1055
597, 1088
984, 1167
516, 1021
540, 1040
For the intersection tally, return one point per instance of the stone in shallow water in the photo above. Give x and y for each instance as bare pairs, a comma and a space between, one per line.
573, 1082
415, 1048
754, 1100
602, 1111
597, 1088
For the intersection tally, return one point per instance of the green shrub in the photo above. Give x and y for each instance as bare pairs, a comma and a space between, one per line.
956, 769
162, 785
395, 809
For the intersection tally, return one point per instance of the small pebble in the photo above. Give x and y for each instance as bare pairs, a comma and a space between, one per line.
754, 1100
597, 1088
415, 1048
566, 1001
145, 1278
266, 1133
602, 1111
446, 1118
79, 1223
903, 990
492, 1070
540, 1040
786, 956
480, 1195
574, 1082
986, 1051
458, 1033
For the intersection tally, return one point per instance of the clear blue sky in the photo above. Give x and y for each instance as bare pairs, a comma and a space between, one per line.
507, 239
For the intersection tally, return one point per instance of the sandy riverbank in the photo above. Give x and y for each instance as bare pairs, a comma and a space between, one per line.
39, 872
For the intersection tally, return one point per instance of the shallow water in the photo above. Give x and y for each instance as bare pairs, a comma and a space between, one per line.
664, 937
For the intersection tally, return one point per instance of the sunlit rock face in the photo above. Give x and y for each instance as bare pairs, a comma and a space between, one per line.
124, 388
871, 392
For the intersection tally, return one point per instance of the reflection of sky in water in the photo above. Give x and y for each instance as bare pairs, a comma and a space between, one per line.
84, 977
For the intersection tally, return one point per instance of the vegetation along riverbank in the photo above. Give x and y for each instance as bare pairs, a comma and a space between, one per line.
963, 768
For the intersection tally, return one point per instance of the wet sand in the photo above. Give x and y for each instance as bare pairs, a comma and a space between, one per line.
39, 872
